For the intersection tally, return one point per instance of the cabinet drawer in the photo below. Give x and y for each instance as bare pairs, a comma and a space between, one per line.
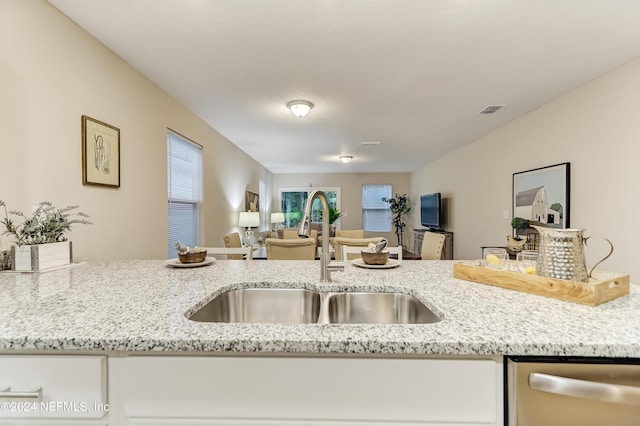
71, 386
333, 389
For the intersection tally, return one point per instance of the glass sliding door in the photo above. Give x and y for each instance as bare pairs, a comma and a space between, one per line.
292, 202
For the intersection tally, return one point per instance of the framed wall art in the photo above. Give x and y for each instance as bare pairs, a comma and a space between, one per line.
252, 203
100, 153
542, 195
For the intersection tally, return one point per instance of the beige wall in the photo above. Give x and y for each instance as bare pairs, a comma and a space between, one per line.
595, 127
51, 73
351, 194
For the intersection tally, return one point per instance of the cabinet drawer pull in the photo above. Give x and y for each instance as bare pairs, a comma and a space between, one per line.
621, 394
32, 394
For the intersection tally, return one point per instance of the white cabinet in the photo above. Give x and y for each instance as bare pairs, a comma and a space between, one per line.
321, 391
71, 389
250, 391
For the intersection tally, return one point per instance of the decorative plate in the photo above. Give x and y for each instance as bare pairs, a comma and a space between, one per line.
175, 263
391, 263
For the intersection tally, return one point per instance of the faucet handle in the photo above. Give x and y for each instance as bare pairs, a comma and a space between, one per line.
334, 266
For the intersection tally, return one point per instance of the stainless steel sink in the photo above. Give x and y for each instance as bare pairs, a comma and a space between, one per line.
262, 305
300, 306
378, 308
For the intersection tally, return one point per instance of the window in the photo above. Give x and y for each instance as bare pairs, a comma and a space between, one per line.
292, 201
184, 172
376, 214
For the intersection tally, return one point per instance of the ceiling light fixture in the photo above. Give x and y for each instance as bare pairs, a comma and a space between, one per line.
346, 158
300, 108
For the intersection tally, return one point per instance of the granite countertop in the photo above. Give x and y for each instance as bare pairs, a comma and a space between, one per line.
140, 306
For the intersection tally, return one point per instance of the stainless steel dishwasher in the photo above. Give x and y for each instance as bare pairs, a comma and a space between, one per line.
571, 391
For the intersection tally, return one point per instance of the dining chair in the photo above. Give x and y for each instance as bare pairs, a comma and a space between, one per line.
231, 253
432, 246
339, 242
353, 252
291, 248
233, 240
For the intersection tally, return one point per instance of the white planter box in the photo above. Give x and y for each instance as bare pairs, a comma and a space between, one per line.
41, 256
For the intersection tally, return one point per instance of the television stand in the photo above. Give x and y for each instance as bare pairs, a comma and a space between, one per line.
406, 255
447, 250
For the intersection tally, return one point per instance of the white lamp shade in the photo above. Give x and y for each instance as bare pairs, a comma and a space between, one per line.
277, 217
249, 219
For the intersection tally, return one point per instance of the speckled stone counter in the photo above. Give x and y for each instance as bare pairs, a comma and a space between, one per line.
134, 306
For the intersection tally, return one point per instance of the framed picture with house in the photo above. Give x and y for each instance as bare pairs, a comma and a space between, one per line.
542, 195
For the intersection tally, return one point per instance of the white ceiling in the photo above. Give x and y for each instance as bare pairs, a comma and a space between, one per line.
412, 74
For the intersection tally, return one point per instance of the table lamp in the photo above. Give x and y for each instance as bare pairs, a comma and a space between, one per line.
249, 220
278, 219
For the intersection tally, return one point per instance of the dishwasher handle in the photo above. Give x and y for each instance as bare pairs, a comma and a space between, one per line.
36, 393
608, 392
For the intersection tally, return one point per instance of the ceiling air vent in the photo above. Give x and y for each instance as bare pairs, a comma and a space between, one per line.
370, 143
490, 109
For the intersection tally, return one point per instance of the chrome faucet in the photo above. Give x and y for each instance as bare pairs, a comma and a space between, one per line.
305, 228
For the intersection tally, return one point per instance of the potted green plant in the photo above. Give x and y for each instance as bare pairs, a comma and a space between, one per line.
40, 239
518, 224
515, 241
400, 205
334, 214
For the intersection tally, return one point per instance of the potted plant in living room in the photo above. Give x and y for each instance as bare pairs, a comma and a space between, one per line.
334, 214
40, 239
400, 205
516, 242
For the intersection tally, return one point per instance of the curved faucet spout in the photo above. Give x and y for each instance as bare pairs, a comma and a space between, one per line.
305, 228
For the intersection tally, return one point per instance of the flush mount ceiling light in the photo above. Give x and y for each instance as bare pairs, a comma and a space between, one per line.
300, 108
346, 158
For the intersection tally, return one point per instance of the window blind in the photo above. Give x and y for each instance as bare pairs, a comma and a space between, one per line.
184, 187
376, 214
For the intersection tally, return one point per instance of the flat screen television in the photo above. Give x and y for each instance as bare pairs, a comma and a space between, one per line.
431, 210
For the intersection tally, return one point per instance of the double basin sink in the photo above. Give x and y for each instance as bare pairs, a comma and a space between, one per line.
302, 306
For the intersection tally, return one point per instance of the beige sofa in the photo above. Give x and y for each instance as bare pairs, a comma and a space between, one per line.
291, 248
